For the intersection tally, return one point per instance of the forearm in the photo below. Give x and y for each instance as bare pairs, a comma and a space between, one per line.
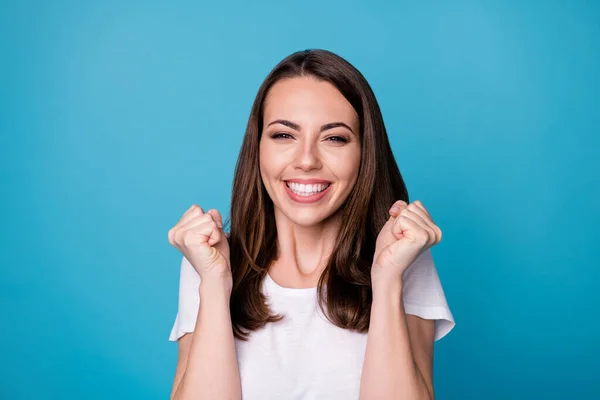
389, 369
212, 369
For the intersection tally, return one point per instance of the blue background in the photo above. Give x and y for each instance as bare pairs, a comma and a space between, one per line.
117, 116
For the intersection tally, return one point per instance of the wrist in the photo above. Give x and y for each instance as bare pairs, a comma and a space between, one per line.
386, 284
215, 286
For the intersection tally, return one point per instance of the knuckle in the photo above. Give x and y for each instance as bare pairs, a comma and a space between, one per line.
431, 233
179, 235
182, 236
205, 219
423, 235
189, 239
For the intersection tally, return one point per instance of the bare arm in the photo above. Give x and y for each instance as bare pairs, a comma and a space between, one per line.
183, 351
207, 365
399, 355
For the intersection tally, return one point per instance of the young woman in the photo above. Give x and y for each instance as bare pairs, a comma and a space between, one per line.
324, 287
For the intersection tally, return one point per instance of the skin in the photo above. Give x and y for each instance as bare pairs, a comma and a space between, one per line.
310, 132
295, 145
399, 355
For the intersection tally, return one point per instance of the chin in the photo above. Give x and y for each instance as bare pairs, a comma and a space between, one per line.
306, 218
306, 221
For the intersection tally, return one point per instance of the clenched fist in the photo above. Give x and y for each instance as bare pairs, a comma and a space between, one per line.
200, 238
406, 235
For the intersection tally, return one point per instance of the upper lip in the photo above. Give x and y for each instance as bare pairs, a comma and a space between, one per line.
307, 181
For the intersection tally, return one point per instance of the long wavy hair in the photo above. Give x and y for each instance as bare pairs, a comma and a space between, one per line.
346, 302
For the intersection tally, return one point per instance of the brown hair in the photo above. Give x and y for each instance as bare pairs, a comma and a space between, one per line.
253, 236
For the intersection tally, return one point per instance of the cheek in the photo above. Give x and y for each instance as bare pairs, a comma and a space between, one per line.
271, 168
265, 160
263, 167
273, 161
268, 167
346, 168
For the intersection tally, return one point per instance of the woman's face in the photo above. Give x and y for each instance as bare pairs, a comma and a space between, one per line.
309, 149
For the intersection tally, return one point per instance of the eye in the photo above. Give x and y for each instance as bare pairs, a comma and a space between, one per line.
281, 135
338, 139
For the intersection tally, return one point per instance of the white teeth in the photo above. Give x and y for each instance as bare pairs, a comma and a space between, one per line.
307, 190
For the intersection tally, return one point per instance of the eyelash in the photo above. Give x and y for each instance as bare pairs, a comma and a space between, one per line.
339, 139
281, 136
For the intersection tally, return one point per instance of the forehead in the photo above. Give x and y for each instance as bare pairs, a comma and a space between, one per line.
306, 100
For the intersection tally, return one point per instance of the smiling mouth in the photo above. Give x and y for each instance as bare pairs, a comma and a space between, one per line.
307, 190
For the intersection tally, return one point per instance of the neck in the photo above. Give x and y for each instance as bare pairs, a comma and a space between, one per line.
303, 251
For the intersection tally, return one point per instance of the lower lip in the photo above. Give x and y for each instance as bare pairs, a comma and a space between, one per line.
306, 199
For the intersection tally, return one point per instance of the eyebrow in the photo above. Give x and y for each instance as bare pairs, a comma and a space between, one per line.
296, 127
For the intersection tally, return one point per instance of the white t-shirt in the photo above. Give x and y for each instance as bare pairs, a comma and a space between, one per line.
304, 356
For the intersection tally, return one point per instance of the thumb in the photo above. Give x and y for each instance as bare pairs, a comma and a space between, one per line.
216, 217
394, 212
396, 208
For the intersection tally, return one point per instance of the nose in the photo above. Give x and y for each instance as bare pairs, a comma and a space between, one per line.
307, 157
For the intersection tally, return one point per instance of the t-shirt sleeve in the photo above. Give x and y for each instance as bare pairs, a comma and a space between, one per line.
423, 294
189, 301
